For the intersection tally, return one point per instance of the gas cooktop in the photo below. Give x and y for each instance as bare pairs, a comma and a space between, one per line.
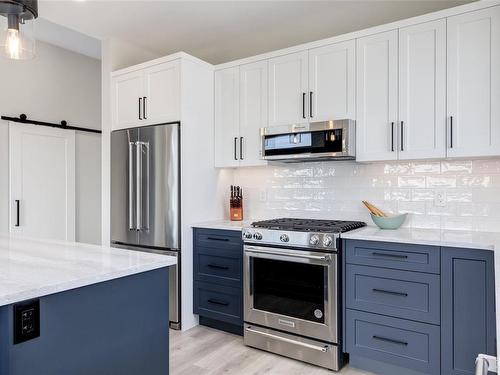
309, 225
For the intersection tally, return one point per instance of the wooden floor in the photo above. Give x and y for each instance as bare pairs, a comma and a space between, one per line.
206, 351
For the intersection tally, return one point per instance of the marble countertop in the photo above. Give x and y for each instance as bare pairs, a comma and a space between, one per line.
31, 268
223, 224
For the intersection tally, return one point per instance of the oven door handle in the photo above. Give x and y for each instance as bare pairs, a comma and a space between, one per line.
323, 349
281, 253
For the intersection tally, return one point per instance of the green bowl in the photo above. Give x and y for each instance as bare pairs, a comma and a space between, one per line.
391, 222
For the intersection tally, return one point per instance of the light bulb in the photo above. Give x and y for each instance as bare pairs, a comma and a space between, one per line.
13, 44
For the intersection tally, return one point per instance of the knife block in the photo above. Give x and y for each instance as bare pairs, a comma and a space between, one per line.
236, 213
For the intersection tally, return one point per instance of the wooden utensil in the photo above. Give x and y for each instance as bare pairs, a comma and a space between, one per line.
374, 210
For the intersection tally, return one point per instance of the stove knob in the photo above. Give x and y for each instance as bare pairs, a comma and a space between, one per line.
247, 235
257, 236
314, 240
284, 238
327, 241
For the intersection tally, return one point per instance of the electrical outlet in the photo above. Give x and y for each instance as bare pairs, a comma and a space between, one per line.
440, 198
263, 195
26, 320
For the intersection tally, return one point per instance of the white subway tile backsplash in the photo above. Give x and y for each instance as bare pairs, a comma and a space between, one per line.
334, 190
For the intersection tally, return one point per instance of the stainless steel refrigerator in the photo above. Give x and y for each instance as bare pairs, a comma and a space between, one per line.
145, 196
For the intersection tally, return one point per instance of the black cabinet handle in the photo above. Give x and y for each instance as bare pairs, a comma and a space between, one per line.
392, 136
235, 140
218, 239
303, 105
140, 105
310, 104
17, 213
390, 292
217, 267
402, 136
390, 255
144, 112
390, 340
451, 131
241, 148
217, 302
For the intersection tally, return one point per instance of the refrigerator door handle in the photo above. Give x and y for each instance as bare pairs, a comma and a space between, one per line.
130, 186
138, 176
146, 213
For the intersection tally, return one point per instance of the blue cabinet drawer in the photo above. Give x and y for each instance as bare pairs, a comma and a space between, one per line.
401, 294
393, 255
218, 239
218, 266
218, 302
400, 342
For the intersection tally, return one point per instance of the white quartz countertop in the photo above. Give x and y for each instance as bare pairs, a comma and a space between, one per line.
223, 224
31, 268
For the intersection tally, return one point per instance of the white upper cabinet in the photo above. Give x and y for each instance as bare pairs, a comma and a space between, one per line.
474, 83
288, 89
253, 111
377, 97
227, 139
162, 93
146, 96
127, 91
422, 91
332, 91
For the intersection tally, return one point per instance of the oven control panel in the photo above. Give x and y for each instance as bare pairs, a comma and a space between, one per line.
324, 241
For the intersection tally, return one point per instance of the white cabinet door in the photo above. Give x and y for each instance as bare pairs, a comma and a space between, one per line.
288, 89
127, 93
227, 117
376, 97
422, 91
474, 83
332, 88
162, 93
42, 181
253, 111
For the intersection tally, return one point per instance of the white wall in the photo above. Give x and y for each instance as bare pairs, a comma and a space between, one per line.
57, 85
334, 190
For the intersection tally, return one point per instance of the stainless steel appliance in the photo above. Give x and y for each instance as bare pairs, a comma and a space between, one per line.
292, 288
145, 196
327, 140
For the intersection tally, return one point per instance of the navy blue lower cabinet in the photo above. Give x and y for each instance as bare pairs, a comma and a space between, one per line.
218, 279
395, 341
468, 308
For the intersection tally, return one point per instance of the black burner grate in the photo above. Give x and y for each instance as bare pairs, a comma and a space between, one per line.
309, 225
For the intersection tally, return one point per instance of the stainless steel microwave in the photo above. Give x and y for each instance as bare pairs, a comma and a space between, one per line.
316, 141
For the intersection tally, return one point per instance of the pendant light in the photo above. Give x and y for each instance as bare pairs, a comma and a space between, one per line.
17, 18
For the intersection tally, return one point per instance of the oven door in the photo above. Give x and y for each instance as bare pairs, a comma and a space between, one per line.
291, 290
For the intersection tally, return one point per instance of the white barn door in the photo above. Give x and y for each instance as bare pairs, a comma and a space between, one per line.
42, 181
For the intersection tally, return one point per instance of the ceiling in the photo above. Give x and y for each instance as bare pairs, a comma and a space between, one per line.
221, 31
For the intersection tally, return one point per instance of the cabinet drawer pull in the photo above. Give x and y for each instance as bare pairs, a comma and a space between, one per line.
218, 239
398, 256
217, 267
380, 338
303, 105
217, 302
390, 292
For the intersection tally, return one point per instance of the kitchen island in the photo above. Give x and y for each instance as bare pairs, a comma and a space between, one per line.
70, 308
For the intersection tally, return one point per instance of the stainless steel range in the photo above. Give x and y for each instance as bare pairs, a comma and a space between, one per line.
292, 288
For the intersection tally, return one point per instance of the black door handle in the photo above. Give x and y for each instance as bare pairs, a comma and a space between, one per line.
140, 105
17, 213
144, 112
303, 105
390, 340
451, 131
392, 136
217, 239
310, 104
241, 148
390, 255
217, 302
402, 136
217, 267
235, 156
390, 292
